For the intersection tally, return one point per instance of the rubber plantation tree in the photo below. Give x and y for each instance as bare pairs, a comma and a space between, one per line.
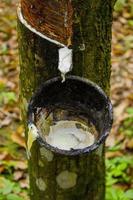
43, 27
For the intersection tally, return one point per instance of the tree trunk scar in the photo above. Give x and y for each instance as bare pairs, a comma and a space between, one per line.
51, 18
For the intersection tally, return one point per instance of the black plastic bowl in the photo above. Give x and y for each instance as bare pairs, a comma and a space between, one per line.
82, 99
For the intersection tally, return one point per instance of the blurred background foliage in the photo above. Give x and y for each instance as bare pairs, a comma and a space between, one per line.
119, 145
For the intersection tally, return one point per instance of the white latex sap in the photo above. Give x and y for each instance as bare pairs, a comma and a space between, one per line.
65, 61
67, 135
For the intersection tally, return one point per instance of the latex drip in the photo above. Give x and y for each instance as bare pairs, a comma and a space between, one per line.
65, 61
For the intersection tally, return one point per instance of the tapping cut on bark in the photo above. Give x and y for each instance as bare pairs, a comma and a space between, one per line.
52, 18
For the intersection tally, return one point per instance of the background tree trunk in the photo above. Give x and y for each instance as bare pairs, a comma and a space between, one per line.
84, 175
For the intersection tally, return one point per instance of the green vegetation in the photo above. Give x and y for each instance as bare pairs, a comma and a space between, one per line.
119, 169
9, 190
118, 174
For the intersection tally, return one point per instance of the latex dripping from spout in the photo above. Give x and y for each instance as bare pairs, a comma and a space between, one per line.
65, 61
65, 53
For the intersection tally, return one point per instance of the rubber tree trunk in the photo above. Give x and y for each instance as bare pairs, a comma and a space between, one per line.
54, 176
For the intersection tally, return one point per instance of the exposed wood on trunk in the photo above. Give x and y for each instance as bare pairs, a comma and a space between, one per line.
52, 18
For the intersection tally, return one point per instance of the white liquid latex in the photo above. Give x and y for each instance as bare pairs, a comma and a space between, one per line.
66, 136
65, 61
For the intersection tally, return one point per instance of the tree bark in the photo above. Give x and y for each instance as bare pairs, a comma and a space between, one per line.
83, 175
